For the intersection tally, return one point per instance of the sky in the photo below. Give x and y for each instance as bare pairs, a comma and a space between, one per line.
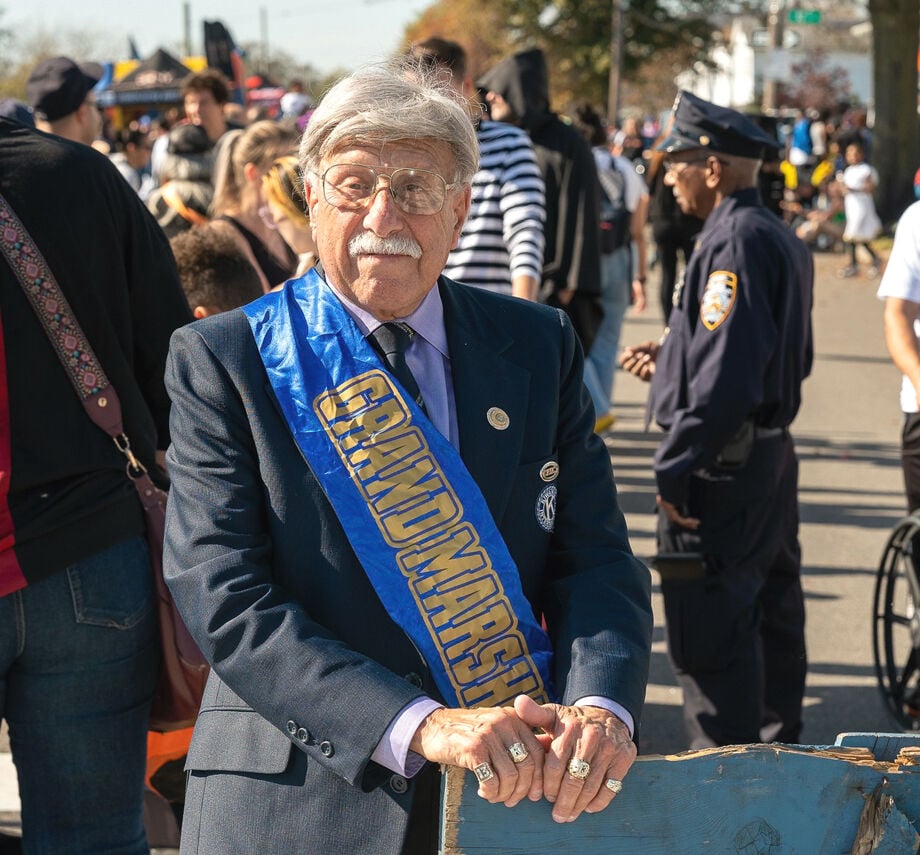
327, 34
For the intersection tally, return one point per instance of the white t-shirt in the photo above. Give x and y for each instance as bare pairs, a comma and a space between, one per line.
902, 280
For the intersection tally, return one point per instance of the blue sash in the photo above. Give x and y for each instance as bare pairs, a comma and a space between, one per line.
413, 514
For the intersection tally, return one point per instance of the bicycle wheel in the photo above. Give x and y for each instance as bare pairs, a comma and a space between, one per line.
896, 624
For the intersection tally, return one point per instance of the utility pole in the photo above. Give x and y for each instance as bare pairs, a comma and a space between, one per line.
616, 62
771, 85
187, 28
263, 29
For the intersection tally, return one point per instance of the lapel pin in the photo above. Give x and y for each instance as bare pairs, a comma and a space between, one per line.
549, 471
498, 418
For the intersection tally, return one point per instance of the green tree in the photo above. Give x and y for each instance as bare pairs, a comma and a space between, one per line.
576, 35
896, 134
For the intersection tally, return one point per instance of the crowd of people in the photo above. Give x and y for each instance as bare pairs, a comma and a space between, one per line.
371, 350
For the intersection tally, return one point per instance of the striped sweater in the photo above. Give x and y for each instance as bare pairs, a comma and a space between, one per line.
503, 235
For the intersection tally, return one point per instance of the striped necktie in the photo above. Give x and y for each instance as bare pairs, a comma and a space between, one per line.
391, 340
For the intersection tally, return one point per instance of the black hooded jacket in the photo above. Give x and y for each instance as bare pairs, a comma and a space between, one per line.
572, 254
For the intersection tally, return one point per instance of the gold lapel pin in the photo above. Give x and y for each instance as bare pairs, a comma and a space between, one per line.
498, 418
549, 471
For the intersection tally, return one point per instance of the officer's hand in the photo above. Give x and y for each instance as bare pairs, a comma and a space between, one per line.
589, 734
477, 738
640, 359
675, 516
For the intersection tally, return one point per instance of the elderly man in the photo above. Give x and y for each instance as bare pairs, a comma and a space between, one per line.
727, 384
385, 485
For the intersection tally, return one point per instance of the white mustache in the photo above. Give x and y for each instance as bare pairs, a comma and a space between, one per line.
367, 243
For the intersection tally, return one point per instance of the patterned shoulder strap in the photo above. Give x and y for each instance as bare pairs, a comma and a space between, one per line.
57, 319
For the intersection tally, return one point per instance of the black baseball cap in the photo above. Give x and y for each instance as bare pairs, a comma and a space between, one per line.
58, 86
702, 124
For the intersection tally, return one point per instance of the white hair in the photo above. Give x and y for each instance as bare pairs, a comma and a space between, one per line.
386, 103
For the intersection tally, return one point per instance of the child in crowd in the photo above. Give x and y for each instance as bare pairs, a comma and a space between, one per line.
215, 273
859, 181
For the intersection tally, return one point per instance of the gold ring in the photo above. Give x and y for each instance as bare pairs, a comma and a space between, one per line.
614, 785
483, 773
579, 769
518, 752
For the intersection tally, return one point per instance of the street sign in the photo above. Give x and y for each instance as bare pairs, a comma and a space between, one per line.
804, 16
761, 38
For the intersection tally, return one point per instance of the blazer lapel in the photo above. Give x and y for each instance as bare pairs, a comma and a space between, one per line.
491, 395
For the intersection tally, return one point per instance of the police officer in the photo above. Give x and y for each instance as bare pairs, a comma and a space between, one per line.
726, 383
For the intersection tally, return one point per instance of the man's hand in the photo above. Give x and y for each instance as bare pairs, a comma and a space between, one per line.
675, 516
640, 360
470, 738
590, 734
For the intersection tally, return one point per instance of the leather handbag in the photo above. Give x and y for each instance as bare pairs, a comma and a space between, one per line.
183, 670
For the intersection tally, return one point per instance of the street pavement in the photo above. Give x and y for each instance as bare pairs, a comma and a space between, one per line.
851, 495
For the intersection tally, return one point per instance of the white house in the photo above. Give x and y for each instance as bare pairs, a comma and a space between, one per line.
745, 59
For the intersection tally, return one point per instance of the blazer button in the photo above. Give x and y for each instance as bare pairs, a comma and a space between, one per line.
303, 735
291, 727
415, 680
398, 784
326, 748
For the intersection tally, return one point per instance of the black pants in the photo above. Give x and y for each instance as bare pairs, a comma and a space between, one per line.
910, 459
667, 246
425, 818
736, 638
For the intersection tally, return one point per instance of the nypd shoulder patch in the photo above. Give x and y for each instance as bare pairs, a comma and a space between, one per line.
718, 298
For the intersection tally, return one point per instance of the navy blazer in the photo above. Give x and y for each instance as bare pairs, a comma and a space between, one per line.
308, 668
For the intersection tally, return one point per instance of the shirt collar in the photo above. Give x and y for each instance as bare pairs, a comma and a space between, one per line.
427, 320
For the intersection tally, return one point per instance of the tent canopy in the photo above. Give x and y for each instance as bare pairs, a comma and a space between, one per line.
157, 80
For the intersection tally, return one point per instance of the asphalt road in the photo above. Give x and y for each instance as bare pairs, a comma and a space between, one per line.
850, 495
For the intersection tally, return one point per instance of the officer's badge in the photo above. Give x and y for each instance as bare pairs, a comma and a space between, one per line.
546, 508
718, 298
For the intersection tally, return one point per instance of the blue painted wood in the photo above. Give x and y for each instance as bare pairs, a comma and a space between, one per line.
884, 746
751, 800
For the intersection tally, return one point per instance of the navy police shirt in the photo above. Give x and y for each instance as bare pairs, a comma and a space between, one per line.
740, 340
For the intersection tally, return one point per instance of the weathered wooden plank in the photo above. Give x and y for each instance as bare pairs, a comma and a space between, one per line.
752, 800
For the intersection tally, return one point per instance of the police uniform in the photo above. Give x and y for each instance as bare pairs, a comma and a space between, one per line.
726, 387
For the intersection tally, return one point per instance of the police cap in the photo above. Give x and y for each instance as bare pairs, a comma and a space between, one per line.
702, 124
58, 86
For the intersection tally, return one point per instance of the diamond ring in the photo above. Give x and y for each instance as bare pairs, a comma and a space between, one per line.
614, 785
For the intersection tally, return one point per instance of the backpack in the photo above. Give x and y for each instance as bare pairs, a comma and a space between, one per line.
615, 216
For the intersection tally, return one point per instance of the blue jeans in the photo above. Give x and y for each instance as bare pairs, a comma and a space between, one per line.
601, 362
78, 661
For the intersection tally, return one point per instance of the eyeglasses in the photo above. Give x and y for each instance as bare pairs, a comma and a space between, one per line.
678, 166
351, 187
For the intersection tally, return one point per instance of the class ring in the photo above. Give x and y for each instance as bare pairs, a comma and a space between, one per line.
579, 769
483, 773
518, 752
